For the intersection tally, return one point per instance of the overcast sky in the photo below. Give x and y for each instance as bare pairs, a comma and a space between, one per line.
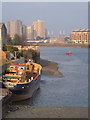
66, 16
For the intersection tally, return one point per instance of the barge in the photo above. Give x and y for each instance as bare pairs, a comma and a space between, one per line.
22, 80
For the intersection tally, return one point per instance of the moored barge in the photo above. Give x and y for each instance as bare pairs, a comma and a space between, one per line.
22, 80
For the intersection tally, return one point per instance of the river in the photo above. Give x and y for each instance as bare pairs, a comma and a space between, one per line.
70, 90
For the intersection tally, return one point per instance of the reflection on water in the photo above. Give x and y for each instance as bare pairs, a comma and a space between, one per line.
70, 90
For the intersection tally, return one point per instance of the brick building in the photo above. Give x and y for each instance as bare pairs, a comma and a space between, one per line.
81, 36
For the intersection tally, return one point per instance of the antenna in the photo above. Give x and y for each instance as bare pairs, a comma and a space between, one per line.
48, 32
60, 32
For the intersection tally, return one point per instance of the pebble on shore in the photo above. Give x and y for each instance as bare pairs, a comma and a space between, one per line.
50, 68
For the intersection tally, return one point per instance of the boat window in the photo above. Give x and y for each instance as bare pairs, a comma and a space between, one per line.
11, 67
27, 67
22, 68
31, 67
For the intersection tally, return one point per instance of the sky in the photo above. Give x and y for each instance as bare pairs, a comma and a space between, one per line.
57, 16
45, 0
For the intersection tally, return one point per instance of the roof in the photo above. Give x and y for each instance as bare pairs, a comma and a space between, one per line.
17, 65
13, 77
82, 30
1, 24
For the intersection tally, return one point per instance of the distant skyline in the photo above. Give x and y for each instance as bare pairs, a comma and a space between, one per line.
57, 16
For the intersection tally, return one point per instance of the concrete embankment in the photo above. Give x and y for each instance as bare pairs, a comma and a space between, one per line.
62, 45
50, 68
47, 112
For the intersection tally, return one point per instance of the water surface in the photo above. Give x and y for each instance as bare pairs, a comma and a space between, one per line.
70, 90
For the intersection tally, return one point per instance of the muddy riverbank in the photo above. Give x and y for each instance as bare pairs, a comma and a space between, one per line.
50, 68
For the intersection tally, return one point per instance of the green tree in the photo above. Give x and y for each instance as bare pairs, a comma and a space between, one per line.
34, 54
38, 38
17, 40
7, 47
9, 40
10, 48
4, 47
19, 54
15, 48
67, 38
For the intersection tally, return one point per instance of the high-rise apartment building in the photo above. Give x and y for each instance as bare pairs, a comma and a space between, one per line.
3, 35
29, 33
23, 33
15, 27
39, 29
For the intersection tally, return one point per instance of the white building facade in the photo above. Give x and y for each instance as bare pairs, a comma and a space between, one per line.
15, 27
39, 29
29, 33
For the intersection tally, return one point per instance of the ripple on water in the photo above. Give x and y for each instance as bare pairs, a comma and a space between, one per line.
70, 90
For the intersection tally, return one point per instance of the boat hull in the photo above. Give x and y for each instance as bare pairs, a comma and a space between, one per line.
68, 53
25, 90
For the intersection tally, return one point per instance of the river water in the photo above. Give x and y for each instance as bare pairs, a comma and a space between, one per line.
70, 90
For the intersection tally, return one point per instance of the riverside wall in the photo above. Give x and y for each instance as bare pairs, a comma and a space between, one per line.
61, 45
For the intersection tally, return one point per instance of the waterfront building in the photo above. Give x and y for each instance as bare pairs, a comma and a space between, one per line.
15, 27
81, 36
52, 39
39, 29
3, 35
56, 39
29, 33
2, 57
